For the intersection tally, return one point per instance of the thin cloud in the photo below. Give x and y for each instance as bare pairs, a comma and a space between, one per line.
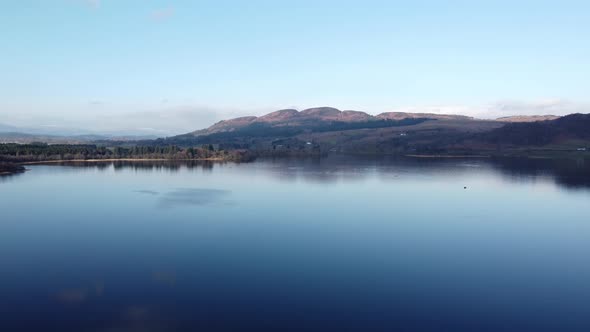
542, 107
94, 4
162, 14
91, 4
504, 108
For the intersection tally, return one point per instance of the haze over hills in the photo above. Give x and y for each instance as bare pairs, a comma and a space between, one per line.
7, 128
527, 118
65, 135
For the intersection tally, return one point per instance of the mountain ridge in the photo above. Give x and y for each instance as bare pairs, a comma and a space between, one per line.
292, 117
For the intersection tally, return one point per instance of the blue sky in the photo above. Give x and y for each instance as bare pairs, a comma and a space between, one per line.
179, 65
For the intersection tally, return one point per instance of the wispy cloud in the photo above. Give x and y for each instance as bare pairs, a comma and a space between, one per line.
541, 107
95, 4
162, 14
91, 4
504, 108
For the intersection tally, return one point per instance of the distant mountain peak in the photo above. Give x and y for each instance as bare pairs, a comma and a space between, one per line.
292, 117
226, 125
353, 116
280, 115
322, 112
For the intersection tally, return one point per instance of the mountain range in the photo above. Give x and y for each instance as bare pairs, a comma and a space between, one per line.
327, 129
316, 116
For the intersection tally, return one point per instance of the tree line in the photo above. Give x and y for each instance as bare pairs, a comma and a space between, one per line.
12, 152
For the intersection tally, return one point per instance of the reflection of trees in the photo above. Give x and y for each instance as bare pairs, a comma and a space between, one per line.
334, 168
145, 165
9, 177
569, 173
98, 165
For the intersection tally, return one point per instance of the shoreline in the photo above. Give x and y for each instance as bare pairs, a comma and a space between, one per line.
445, 156
114, 159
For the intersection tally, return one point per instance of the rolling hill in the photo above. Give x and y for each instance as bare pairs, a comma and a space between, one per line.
327, 129
570, 128
316, 117
324, 130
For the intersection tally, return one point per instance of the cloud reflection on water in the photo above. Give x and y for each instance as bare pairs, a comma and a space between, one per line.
147, 192
194, 197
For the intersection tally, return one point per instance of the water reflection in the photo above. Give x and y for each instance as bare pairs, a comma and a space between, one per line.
148, 192
570, 173
141, 165
194, 197
330, 244
9, 177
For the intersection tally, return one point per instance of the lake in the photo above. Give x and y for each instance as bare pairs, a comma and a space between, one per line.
332, 244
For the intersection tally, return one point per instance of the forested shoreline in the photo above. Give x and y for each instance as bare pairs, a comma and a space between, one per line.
40, 152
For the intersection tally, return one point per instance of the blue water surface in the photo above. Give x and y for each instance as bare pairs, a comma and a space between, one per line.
331, 244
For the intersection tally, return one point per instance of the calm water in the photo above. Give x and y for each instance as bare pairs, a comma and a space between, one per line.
337, 244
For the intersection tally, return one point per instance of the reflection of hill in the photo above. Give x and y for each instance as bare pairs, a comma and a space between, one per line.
572, 174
